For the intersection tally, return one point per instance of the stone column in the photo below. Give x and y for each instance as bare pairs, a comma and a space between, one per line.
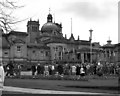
82, 57
86, 57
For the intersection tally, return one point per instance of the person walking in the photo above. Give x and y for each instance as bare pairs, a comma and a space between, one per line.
33, 68
19, 69
82, 71
46, 71
38, 69
2, 76
78, 71
10, 69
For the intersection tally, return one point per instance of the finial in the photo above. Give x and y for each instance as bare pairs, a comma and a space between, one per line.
60, 24
38, 20
109, 41
78, 37
90, 30
49, 10
71, 25
90, 38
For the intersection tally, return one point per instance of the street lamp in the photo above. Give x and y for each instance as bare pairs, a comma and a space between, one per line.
90, 45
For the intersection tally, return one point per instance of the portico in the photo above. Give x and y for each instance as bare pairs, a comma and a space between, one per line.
83, 55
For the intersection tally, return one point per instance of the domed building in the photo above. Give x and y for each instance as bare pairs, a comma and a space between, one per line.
47, 45
61, 49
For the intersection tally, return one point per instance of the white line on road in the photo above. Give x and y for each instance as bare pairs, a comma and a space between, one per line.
40, 91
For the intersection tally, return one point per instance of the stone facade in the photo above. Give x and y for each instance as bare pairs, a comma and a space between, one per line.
48, 45
110, 52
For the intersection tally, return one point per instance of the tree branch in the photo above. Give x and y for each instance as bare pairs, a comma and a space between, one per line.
6, 19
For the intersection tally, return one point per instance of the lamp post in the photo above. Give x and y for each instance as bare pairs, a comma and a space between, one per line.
90, 45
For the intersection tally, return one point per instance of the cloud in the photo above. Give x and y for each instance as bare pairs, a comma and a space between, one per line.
90, 10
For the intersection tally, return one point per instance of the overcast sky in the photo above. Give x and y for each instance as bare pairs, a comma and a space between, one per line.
99, 15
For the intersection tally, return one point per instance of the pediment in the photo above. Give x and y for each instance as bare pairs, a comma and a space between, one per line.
44, 39
18, 41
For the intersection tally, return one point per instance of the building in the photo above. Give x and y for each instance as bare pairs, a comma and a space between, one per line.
117, 53
47, 45
111, 52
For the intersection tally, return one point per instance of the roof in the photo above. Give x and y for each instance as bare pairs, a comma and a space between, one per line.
108, 46
59, 39
54, 39
49, 27
18, 33
87, 49
117, 45
37, 46
5, 43
18, 41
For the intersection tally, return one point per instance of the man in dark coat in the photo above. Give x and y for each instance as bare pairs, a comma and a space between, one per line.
38, 69
33, 68
78, 70
60, 69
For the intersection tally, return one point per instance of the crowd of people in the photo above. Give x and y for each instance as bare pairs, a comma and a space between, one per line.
82, 69
78, 69
12, 69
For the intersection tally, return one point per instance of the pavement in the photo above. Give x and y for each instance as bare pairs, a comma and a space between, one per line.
18, 90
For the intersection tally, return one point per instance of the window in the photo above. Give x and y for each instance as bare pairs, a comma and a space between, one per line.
33, 51
6, 54
41, 51
55, 56
59, 58
18, 48
56, 48
34, 29
59, 54
107, 53
64, 49
47, 53
28, 29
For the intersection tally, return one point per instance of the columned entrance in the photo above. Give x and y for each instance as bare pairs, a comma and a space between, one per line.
83, 57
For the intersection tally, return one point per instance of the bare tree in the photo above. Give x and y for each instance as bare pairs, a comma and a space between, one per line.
7, 19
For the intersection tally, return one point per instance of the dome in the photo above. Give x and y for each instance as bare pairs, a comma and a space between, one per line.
49, 27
